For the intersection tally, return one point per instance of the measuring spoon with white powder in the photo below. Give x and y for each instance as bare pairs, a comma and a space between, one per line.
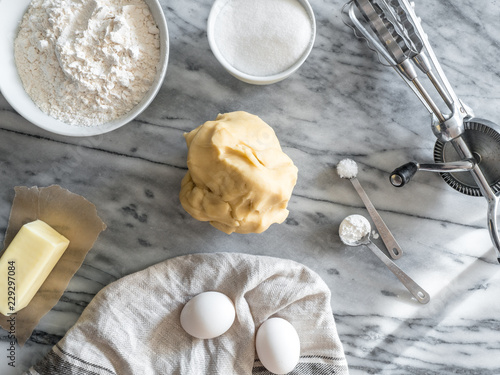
348, 168
355, 231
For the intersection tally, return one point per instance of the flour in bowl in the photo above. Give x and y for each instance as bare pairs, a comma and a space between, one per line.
87, 62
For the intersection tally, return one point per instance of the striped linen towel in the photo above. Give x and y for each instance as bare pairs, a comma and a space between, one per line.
132, 326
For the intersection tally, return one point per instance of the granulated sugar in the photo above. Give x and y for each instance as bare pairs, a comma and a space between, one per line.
263, 37
347, 168
87, 62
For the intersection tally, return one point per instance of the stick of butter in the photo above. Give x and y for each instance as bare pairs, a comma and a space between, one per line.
27, 262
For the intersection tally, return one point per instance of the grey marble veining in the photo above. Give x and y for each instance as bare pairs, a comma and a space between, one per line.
341, 103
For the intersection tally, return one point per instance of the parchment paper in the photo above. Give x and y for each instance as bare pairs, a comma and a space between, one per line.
71, 215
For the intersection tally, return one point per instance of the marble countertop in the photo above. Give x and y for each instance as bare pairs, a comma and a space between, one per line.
341, 103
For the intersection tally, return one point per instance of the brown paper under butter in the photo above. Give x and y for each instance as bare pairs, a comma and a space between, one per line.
71, 215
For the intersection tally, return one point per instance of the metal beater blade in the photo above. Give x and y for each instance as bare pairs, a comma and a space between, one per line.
392, 29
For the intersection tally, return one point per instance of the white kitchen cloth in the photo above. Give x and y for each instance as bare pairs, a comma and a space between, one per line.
132, 326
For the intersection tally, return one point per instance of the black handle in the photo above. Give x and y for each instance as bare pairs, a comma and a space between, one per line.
402, 175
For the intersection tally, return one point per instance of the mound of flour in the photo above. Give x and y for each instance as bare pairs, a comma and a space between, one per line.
86, 62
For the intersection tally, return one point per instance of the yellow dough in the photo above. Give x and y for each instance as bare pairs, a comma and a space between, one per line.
238, 177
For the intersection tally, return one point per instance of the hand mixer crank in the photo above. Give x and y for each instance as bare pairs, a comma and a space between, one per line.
392, 29
402, 175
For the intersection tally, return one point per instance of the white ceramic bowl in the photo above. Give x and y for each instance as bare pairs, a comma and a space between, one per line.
245, 77
11, 12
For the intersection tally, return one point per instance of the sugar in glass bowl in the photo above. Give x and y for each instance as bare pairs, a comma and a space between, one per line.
262, 41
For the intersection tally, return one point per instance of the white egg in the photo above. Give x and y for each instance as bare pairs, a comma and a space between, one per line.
208, 315
278, 346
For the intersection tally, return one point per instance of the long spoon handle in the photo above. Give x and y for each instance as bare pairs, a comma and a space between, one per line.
421, 295
389, 240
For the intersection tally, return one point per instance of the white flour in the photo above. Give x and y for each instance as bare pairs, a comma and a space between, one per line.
353, 228
86, 62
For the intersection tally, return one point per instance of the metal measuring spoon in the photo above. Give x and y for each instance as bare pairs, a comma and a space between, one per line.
348, 168
355, 231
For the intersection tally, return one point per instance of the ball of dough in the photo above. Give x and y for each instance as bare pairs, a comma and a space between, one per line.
238, 177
